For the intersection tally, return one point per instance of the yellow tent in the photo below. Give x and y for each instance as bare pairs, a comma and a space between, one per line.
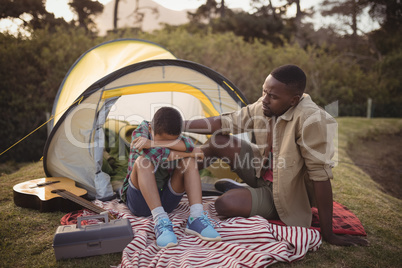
125, 81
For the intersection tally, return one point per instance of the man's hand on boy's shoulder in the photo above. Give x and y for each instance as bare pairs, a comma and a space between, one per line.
141, 143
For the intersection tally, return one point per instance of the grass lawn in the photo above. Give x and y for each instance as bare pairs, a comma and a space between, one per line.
26, 235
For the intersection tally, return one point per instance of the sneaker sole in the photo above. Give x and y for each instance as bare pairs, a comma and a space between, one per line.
170, 245
242, 184
191, 232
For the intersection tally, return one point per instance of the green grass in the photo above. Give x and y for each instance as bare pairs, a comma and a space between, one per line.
26, 235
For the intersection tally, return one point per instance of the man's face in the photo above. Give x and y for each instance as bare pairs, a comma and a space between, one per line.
277, 97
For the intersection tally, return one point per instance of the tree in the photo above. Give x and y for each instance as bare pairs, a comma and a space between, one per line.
265, 24
389, 16
209, 10
139, 14
386, 41
292, 26
31, 12
205, 12
86, 10
32, 70
16, 8
223, 8
348, 11
115, 14
299, 27
253, 27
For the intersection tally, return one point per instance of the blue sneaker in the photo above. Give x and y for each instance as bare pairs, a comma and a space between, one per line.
203, 228
165, 237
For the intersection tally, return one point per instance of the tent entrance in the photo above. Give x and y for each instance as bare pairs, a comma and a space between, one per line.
119, 84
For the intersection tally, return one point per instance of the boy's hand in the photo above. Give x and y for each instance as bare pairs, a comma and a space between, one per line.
141, 143
198, 153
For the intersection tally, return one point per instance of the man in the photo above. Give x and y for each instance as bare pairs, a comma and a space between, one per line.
288, 169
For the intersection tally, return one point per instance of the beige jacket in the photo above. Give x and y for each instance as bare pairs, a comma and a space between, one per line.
302, 151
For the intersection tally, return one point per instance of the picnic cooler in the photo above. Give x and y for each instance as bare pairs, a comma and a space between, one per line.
77, 240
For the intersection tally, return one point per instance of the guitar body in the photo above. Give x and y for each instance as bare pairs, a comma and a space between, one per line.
41, 194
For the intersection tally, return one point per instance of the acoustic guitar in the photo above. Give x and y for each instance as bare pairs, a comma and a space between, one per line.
53, 194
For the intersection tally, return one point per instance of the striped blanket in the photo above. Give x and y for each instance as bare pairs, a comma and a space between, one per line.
246, 242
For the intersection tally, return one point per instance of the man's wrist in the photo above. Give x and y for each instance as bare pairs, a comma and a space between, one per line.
327, 235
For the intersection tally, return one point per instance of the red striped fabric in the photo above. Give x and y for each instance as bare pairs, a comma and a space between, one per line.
344, 221
246, 242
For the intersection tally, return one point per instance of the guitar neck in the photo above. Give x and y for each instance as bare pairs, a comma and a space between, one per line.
79, 200
39, 193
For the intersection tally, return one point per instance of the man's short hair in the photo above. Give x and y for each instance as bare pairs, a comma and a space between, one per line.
167, 120
292, 76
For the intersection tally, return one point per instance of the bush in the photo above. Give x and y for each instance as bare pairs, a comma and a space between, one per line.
32, 70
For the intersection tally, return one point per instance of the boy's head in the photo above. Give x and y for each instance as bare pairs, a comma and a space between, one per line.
167, 120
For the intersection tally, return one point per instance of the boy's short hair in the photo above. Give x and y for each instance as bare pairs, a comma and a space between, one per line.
292, 76
167, 120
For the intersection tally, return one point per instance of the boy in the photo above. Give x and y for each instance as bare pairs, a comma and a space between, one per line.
162, 167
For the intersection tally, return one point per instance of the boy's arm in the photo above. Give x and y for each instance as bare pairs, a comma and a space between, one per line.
201, 126
141, 143
196, 153
142, 131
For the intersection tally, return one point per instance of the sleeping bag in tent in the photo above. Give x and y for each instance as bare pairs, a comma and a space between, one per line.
112, 88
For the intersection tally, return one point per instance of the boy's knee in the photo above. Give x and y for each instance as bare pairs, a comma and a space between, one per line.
143, 163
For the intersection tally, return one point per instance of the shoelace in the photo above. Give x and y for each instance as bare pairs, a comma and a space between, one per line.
164, 224
207, 221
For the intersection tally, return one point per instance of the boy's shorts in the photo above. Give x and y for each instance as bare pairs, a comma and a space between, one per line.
137, 204
261, 191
